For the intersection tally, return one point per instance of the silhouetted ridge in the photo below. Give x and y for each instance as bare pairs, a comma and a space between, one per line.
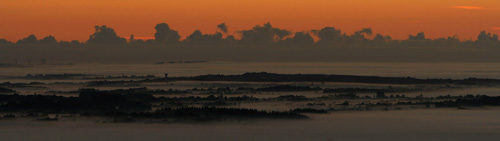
273, 77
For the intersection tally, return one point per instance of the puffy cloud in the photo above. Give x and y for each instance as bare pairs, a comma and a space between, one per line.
105, 35
486, 36
166, 35
4, 42
222, 27
265, 34
328, 35
48, 40
196, 35
31, 39
419, 36
381, 38
198, 38
302, 39
360, 35
367, 31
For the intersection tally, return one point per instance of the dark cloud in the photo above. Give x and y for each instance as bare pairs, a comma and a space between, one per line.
448, 41
367, 31
486, 39
48, 40
419, 36
31, 39
197, 38
105, 35
418, 40
266, 35
381, 38
486, 36
360, 36
222, 27
262, 35
132, 40
4, 42
328, 35
277, 44
302, 39
166, 35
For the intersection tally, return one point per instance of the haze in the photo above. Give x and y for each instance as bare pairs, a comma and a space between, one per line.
249, 69
73, 20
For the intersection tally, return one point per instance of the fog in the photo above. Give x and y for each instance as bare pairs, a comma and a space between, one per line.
455, 70
426, 124
263, 48
150, 55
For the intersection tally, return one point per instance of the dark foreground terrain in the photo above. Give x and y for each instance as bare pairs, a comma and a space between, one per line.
227, 97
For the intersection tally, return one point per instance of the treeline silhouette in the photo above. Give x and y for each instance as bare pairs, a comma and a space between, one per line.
274, 77
259, 36
128, 105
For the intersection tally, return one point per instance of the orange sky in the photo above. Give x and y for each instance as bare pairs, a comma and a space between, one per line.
75, 19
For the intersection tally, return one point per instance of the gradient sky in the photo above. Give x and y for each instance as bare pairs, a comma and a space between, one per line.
75, 19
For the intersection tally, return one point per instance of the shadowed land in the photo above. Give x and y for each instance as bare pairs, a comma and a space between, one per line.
130, 107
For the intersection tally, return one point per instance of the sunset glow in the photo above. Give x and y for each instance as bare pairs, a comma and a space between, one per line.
75, 19
249, 70
468, 7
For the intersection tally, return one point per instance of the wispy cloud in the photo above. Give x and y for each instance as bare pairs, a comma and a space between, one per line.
495, 28
468, 7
